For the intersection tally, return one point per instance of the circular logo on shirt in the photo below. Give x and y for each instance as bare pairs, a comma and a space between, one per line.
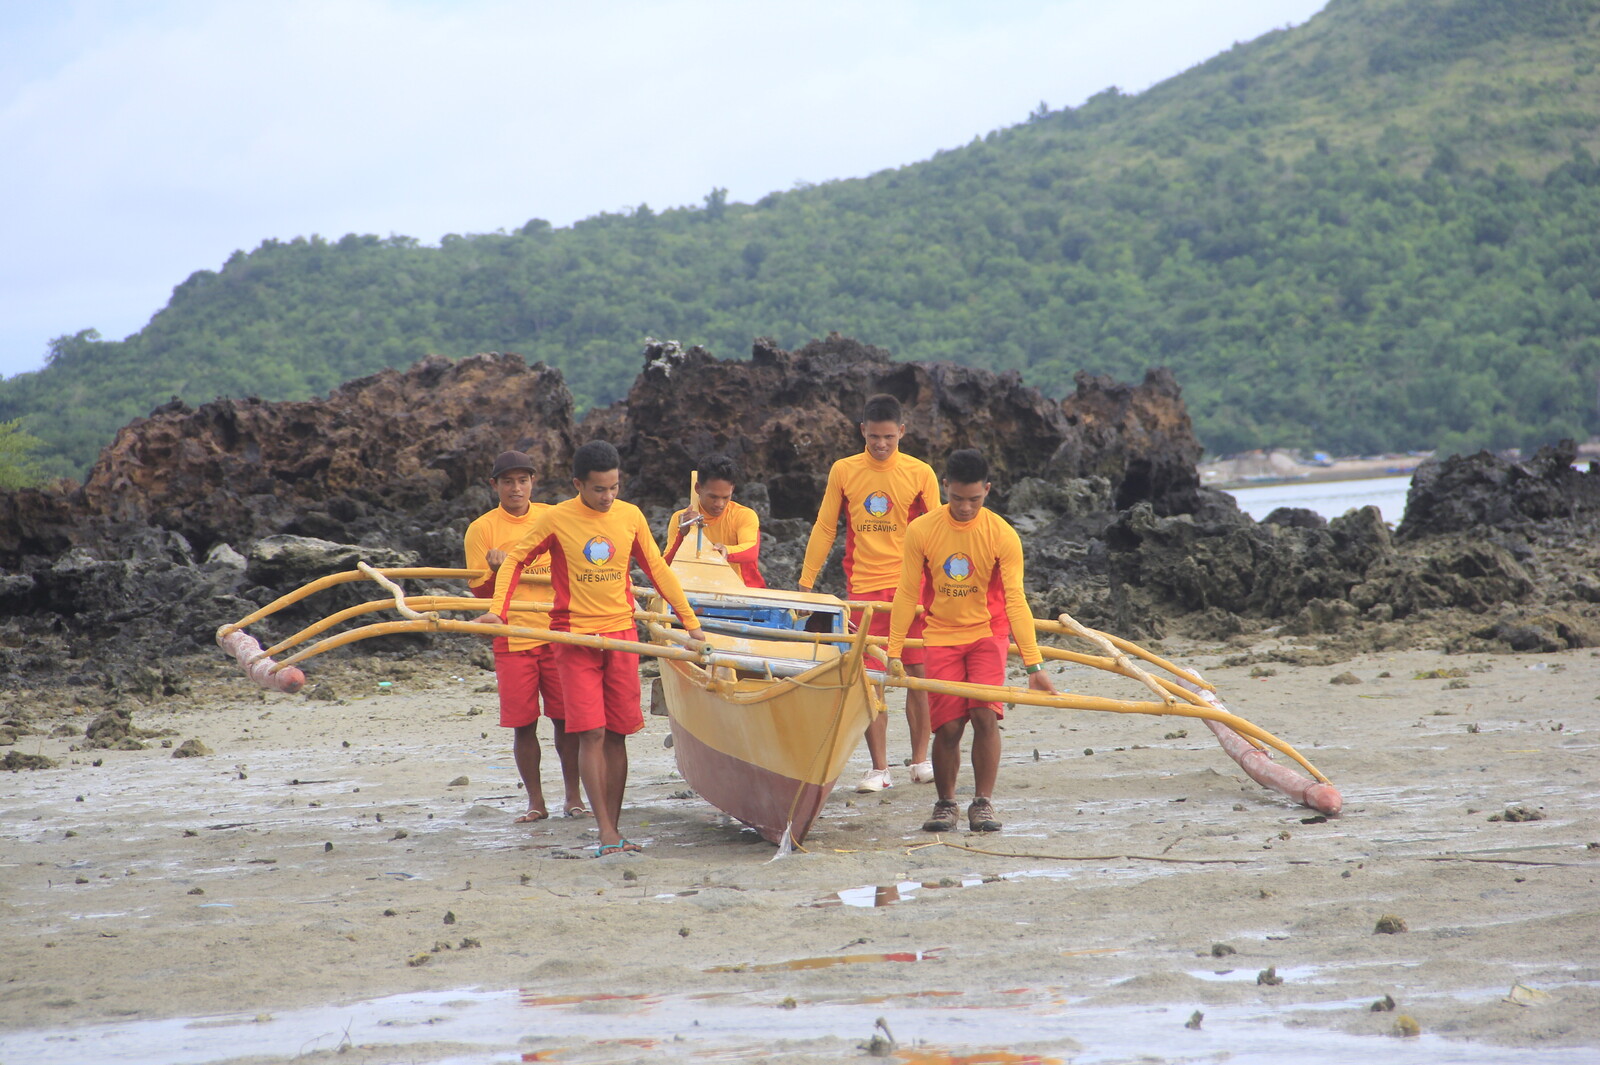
598, 550
877, 504
958, 567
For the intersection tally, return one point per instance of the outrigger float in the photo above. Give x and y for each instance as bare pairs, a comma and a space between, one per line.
766, 712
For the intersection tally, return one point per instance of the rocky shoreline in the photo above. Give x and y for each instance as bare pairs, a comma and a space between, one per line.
193, 518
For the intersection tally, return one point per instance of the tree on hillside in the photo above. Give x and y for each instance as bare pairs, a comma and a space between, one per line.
18, 469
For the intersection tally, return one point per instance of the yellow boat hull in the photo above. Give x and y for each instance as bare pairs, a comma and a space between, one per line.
766, 751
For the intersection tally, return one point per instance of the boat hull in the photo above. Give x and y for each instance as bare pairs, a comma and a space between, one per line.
767, 756
765, 749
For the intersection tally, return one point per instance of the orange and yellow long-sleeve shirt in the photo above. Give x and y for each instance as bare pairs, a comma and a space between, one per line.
736, 528
499, 530
589, 554
975, 569
878, 500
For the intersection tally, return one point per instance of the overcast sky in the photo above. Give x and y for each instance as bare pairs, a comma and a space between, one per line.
140, 142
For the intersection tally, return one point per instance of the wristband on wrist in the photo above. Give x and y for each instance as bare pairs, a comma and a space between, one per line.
1036, 667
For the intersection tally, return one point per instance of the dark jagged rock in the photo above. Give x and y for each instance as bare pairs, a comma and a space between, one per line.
1544, 631
1470, 575
786, 416
235, 470
1463, 493
339, 468
289, 561
1295, 518
1138, 437
1239, 566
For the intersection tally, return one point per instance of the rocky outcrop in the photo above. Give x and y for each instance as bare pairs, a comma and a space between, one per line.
786, 416
1461, 494
1137, 437
1235, 565
395, 442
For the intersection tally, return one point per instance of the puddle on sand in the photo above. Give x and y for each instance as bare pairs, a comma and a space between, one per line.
872, 895
472, 1027
827, 961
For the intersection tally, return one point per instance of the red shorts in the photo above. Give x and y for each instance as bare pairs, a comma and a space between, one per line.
523, 677
912, 656
979, 662
600, 689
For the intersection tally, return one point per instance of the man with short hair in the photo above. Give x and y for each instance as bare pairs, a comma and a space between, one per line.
524, 668
591, 538
728, 528
879, 492
973, 560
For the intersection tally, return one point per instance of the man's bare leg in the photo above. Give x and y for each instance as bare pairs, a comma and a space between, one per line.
566, 746
593, 769
878, 740
917, 718
616, 748
525, 751
985, 751
947, 757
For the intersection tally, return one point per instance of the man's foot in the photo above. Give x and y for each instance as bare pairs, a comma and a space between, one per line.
620, 847
945, 814
922, 773
533, 814
875, 780
981, 817
576, 809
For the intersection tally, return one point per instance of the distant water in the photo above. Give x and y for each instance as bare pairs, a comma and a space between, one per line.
1328, 498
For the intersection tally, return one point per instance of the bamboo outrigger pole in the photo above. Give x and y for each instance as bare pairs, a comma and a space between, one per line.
1189, 696
1185, 694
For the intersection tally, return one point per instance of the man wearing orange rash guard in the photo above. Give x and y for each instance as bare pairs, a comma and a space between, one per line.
973, 560
524, 668
879, 492
733, 531
591, 538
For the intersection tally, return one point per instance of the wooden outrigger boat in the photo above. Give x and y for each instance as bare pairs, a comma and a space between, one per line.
763, 730
766, 713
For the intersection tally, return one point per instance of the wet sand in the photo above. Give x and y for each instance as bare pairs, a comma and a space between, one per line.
261, 898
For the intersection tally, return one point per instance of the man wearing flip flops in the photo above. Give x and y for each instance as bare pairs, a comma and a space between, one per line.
524, 668
591, 538
879, 491
973, 560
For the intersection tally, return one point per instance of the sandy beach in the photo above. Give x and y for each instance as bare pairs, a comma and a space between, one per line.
341, 880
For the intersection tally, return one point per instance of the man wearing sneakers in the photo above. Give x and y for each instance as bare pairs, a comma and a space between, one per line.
879, 492
973, 560
524, 668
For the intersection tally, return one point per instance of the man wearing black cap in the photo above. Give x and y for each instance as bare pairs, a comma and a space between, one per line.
524, 668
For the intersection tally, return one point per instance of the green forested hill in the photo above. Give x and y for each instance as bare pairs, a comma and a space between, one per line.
1377, 231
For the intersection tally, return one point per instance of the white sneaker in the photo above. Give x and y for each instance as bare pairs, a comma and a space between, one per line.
922, 773
875, 780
